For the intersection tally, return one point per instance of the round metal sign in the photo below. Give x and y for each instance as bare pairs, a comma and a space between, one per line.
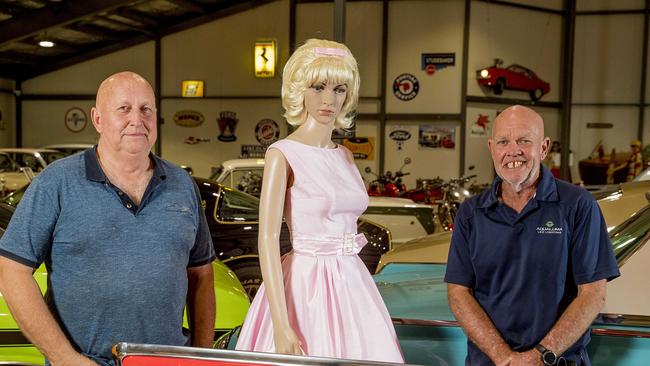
75, 119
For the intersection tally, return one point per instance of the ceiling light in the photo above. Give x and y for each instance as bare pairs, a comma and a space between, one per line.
46, 44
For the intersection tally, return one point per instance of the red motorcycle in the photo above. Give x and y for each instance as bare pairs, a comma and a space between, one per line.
426, 190
388, 185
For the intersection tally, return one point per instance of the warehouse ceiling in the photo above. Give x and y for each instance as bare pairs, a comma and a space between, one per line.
84, 29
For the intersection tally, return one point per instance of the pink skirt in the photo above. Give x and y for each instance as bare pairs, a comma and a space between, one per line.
333, 306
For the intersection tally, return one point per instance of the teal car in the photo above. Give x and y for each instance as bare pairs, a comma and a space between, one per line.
416, 297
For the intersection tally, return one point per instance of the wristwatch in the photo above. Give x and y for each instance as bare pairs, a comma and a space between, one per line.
549, 357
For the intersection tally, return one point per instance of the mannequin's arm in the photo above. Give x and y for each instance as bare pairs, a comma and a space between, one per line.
274, 188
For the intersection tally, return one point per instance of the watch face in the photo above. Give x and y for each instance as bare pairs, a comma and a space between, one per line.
549, 358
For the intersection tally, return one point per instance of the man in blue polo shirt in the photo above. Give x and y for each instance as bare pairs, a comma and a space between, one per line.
529, 257
124, 239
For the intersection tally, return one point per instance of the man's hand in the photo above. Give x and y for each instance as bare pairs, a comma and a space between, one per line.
477, 325
504, 361
24, 299
201, 305
75, 359
529, 358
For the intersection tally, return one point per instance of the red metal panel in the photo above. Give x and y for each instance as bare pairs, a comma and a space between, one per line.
140, 360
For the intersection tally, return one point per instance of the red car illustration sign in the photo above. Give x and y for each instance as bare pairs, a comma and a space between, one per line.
514, 77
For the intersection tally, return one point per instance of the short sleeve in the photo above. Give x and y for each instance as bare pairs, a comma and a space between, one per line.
459, 266
592, 256
28, 237
203, 251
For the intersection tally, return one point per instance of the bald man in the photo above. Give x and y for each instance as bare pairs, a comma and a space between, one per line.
124, 239
529, 257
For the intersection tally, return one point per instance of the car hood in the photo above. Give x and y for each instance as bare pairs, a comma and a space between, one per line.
622, 203
415, 291
13, 180
431, 248
229, 293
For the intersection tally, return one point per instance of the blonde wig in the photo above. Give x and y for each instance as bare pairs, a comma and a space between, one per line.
319, 61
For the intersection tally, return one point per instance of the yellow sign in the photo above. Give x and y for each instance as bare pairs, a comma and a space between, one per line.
362, 148
265, 52
192, 89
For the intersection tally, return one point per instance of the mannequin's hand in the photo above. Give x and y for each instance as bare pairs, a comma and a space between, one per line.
286, 341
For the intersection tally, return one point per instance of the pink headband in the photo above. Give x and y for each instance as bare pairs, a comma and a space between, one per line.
326, 51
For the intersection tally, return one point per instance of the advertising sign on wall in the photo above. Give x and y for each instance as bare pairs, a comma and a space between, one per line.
362, 148
267, 131
432, 62
406, 87
192, 140
188, 118
481, 127
227, 122
399, 134
253, 151
437, 137
75, 119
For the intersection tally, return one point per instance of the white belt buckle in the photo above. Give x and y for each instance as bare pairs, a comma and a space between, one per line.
348, 244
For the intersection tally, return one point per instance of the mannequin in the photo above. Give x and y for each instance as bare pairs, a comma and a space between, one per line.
312, 297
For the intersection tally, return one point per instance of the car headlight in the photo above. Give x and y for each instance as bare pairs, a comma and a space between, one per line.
484, 73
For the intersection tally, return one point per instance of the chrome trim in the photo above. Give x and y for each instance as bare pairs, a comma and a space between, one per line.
122, 350
434, 323
620, 333
595, 330
625, 319
219, 202
387, 230
245, 256
416, 263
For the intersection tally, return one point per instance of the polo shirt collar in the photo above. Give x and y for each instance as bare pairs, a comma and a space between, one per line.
546, 189
95, 173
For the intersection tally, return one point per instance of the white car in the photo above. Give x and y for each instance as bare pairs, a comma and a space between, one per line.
17, 166
242, 174
69, 149
621, 202
405, 219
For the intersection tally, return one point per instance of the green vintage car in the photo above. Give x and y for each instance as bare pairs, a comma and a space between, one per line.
232, 305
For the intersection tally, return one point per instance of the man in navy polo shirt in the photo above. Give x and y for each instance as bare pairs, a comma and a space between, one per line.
529, 257
123, 236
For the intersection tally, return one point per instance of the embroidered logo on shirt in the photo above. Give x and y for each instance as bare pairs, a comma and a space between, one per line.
549, 228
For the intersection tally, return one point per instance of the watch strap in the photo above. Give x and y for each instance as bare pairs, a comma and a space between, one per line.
545, 352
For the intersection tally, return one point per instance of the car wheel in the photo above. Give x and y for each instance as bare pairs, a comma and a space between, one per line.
499, 86
250, 276
536, 94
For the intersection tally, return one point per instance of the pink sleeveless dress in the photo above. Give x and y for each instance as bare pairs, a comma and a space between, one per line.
333, 304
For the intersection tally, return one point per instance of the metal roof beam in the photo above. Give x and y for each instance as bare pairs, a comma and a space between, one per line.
11, 9
138, 17
54, 15
18, 58
131, 27
188, 5
97, 31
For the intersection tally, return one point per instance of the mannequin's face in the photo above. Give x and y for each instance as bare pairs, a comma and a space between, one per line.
324, 101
